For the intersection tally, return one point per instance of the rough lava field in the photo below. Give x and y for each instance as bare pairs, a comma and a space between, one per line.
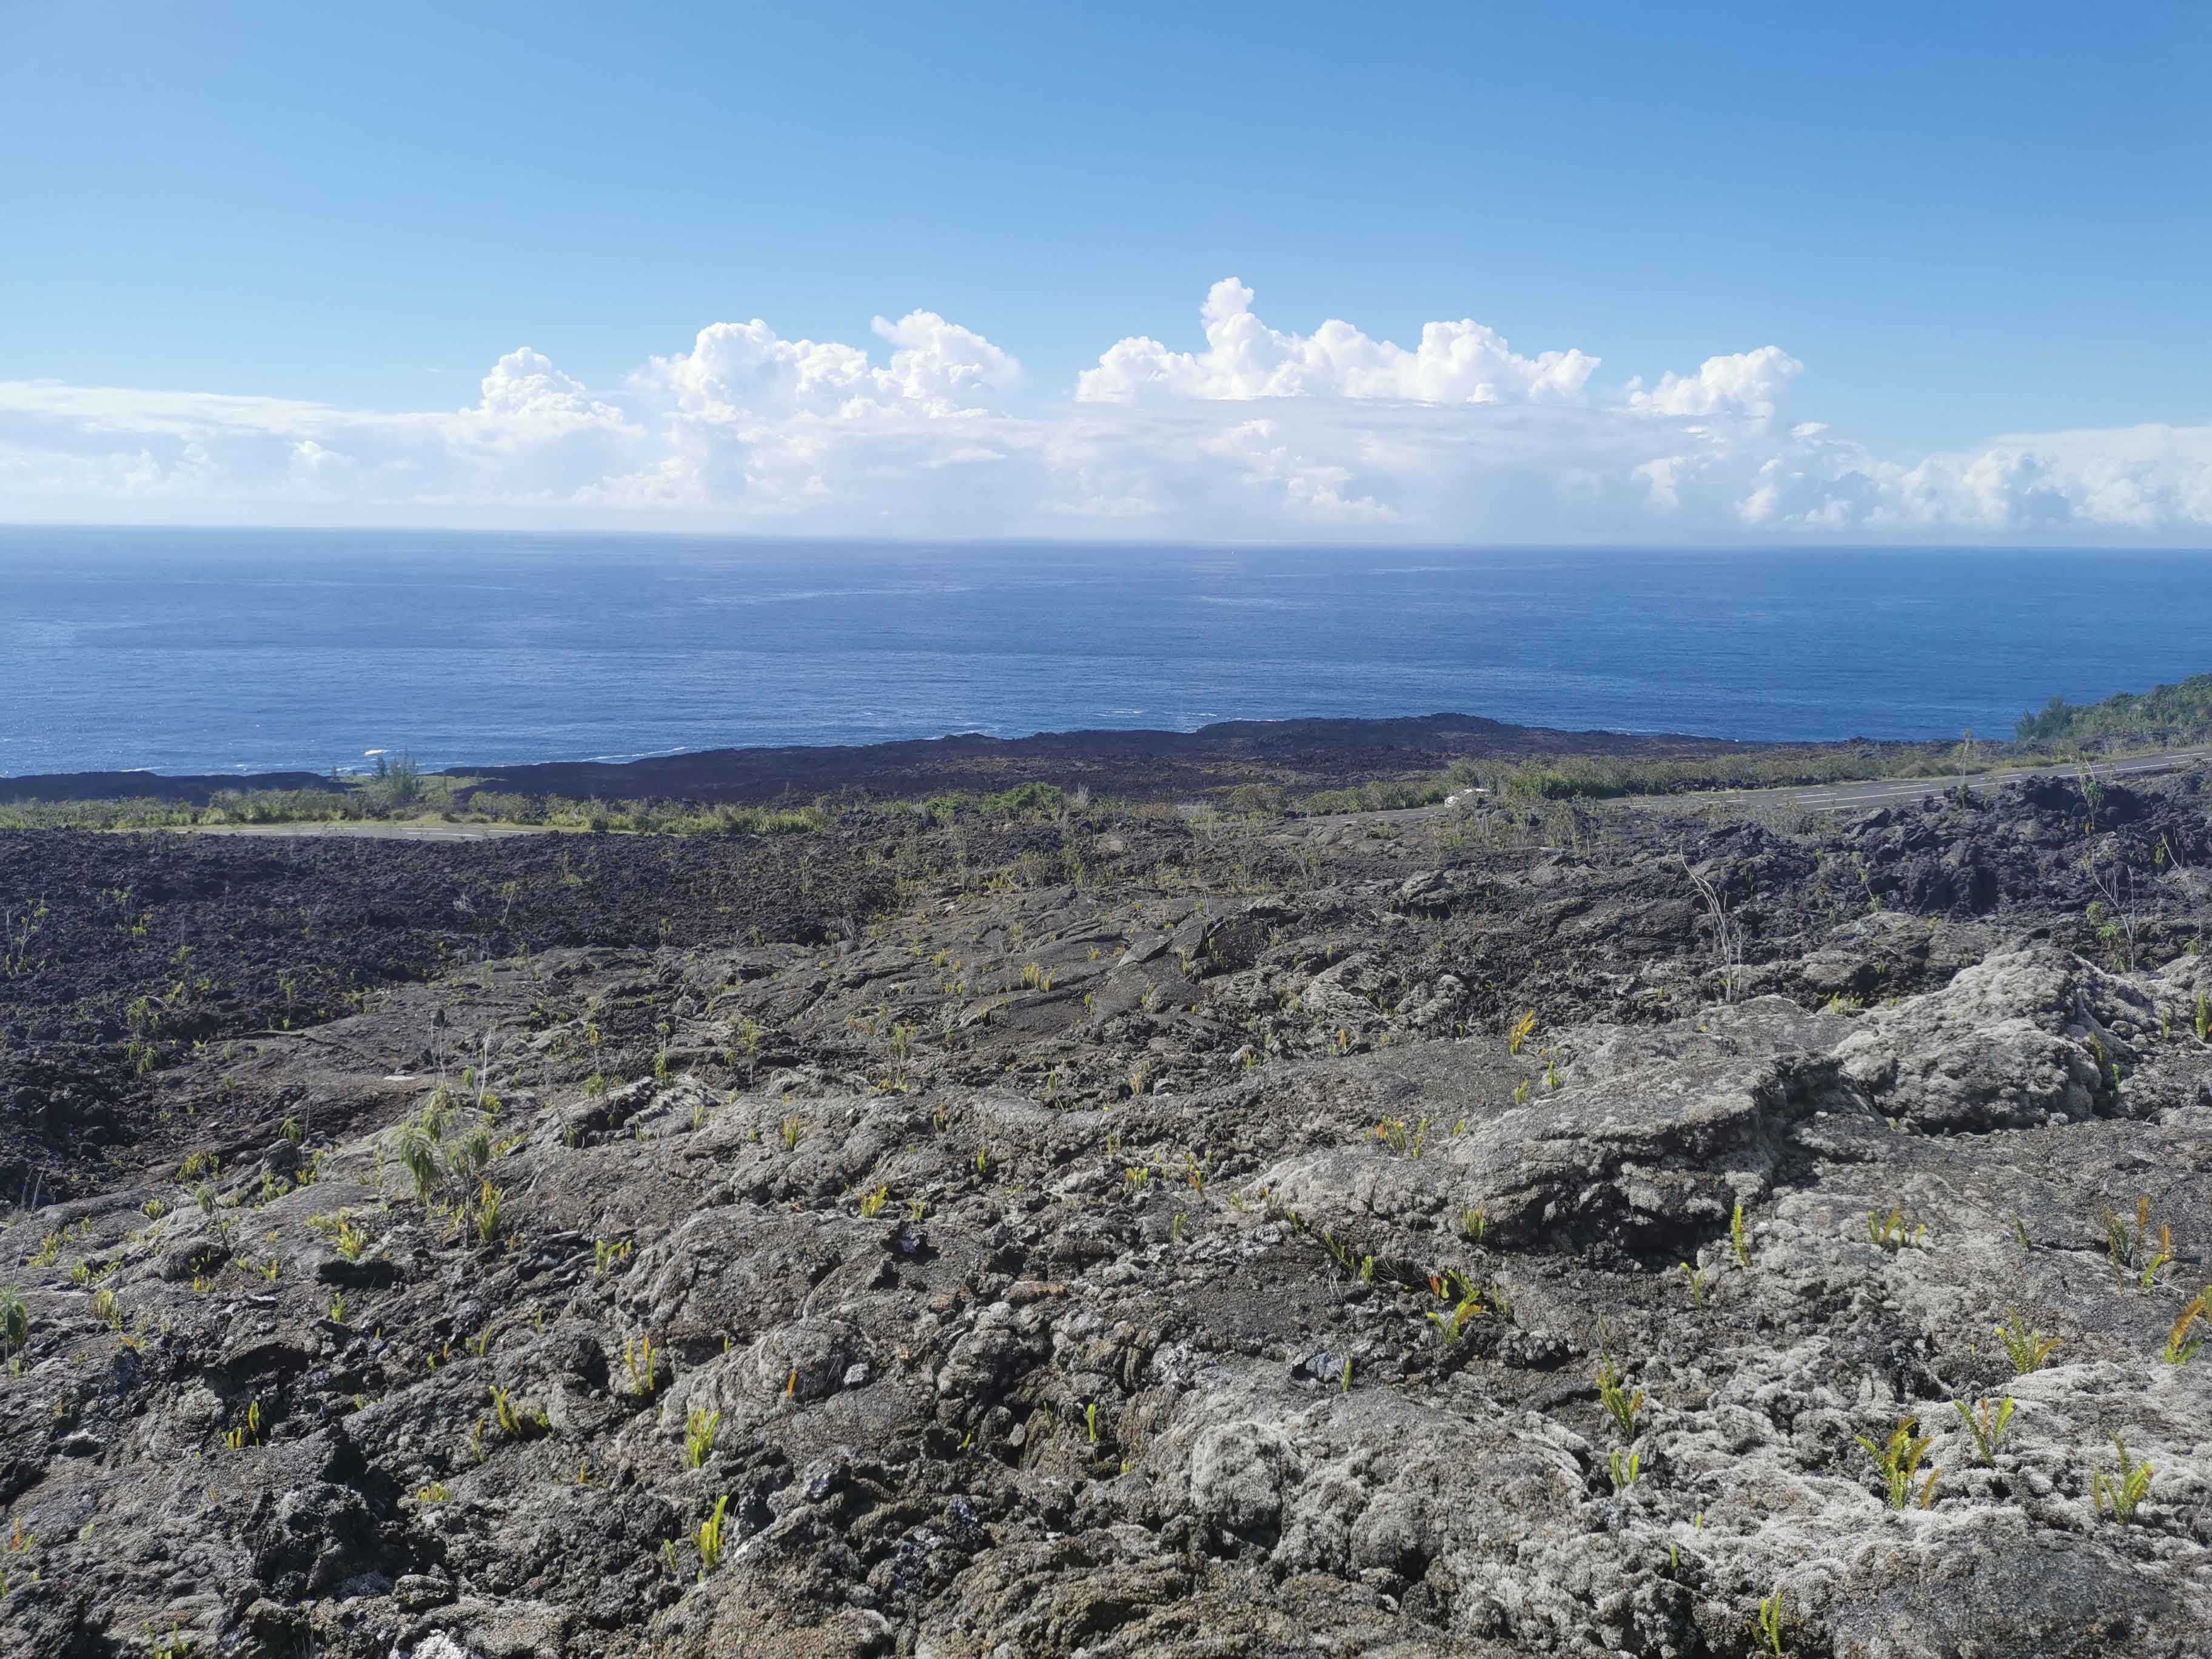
1111, 1233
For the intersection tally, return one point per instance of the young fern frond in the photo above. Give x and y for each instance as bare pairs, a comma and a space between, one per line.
1899, 1461
2180, 1346
2121, 1494
2027, 1348
1987, 1425
1768, 1623
710, 1539
699, 1433
1622, 1407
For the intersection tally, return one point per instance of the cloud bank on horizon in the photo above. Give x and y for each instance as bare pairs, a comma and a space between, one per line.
1260, 435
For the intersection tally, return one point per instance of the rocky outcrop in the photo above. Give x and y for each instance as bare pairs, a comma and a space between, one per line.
1424, 1255
2027, 1036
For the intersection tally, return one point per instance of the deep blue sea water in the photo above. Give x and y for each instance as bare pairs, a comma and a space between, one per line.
216, 651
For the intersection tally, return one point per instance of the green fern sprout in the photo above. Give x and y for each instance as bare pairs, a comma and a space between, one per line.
2180, 1346
1987, 1425
699, 1436
1892, 1232
1739, 1239
487, 1218
516, 1422
2027, 1349
710, 1539
1622, 1407
2119, 1495
1768, 1623
1454, 1324
2122, 1242
638, 1361
1899, 1461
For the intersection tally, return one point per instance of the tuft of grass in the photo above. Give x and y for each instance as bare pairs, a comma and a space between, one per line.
417, 1153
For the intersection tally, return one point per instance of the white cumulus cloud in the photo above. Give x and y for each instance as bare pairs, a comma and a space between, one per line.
1460, 363
1258, 433
1741, 383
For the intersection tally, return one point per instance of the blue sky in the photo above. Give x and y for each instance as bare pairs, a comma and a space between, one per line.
1962, 220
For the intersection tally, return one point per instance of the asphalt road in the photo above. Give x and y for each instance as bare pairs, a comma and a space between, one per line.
374, 831
1892, 791
1837, 798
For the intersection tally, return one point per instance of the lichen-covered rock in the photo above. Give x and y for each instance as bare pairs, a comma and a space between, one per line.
1132, 1236
2026, 1037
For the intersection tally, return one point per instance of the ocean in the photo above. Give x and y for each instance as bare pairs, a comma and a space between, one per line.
235, 651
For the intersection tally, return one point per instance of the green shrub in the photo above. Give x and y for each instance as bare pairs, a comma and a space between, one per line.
2165, 715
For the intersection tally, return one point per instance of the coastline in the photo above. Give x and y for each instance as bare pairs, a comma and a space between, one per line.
1306, 753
